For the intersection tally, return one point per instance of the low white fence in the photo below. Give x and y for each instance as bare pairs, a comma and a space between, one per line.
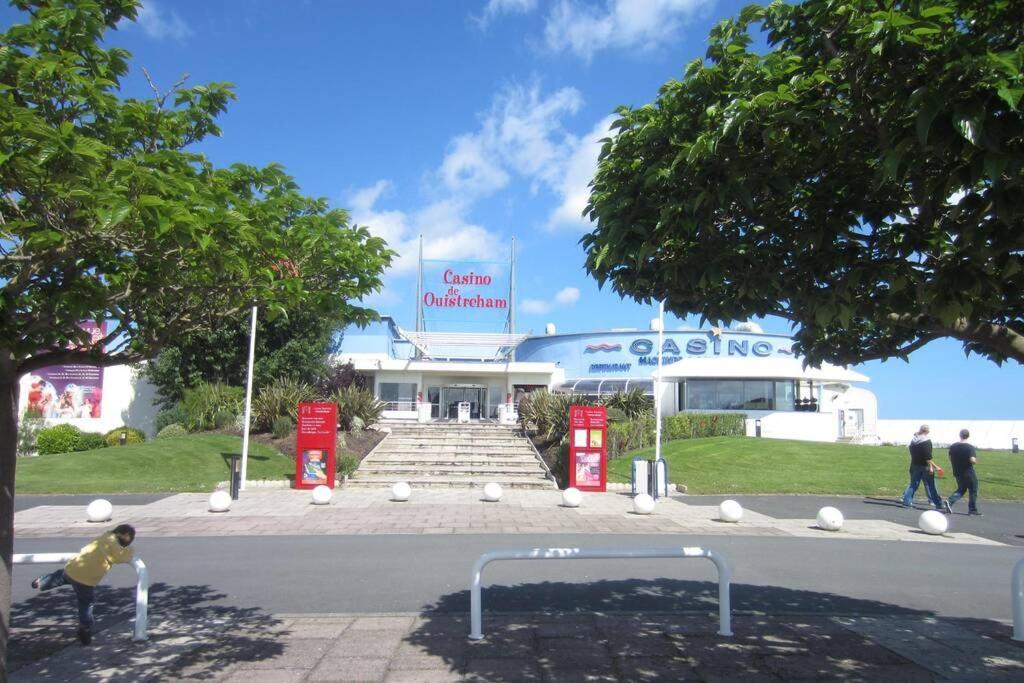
724, 576
995, 434
141, 586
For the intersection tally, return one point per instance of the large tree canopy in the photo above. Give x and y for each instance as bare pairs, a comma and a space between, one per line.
108, 212
861, 177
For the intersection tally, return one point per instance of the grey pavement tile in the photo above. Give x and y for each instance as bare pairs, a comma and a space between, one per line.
314, 629
482, 669
350, 669
365, 644
421, 662
383, 623
297, 654
596, 675
646, 668
427, 676
267, 676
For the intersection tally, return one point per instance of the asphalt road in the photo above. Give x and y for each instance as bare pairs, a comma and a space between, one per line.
25, 502
411, 573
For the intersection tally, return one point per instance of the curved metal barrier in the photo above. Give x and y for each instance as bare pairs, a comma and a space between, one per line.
724, 576
141, 586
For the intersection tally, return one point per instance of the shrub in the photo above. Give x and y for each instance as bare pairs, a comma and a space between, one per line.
175, 415
171, 431
634, 403
282, 426
355, 402
28, 431
702, 425
280, 398
347, 465
204, 401
630, 435
224, 419
340, 377
90, 441
62, 438
113, 437
549, 413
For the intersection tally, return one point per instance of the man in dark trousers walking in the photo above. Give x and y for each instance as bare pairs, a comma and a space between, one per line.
962, 457
922, 469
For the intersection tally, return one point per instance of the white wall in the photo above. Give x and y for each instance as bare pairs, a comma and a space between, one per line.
128, 400
794, 425
984, 433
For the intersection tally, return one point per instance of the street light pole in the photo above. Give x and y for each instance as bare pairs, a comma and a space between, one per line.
248, 399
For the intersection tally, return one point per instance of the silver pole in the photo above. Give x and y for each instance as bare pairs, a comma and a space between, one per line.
419, 290
248, 400
1017, 597
657, 384
512, 290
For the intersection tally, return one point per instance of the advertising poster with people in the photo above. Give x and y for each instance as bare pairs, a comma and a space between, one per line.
69, 391
316, 437
588, 450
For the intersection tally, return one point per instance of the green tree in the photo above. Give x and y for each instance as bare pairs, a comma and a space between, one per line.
297, 346
107, 212
861, 177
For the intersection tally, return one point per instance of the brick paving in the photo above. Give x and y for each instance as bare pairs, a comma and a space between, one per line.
449, 511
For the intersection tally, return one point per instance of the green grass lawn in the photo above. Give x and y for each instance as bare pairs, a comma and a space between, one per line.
190, 463
734, 464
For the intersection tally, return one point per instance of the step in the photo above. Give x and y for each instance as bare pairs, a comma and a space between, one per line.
446, 470
451, 482
412, 459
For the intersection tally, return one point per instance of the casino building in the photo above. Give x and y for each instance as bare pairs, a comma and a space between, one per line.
426, 375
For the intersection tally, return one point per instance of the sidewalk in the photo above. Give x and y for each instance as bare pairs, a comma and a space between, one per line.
252, 647
450, 511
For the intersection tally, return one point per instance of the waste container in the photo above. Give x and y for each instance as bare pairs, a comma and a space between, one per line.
650, 477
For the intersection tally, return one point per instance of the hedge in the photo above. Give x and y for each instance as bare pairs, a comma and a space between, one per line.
639, 433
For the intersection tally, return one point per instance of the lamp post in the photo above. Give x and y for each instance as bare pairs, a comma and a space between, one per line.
248, 400
657, 383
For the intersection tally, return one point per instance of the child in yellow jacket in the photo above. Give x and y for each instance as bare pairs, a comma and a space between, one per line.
87, 569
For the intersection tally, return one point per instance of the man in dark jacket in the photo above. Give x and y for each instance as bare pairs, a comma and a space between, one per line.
922, 469
962, 457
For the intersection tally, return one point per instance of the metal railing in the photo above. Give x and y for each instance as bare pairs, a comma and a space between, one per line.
141, 586
475, 607
1017, 593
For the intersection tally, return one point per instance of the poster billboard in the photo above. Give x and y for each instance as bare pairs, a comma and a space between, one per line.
70, 391
316, 437
588, 448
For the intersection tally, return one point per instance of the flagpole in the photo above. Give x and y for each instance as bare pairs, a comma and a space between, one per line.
657, 383
248, 399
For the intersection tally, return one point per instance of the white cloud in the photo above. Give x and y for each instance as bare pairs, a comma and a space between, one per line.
496, 8
587, 28
567, 296
522, 133
157, 24
447, 234
574, 184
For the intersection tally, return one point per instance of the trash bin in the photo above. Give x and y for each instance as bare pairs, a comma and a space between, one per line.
236, 476
650, 477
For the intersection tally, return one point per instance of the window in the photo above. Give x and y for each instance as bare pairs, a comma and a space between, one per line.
737, 394
398, 395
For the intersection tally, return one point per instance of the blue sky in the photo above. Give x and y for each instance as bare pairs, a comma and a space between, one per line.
473, 122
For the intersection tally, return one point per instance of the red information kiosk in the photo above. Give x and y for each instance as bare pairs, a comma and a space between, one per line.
588, 448
316, 437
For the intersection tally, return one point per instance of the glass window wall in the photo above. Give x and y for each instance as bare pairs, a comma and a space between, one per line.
741, 394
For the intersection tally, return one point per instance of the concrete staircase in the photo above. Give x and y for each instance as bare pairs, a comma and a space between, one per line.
448, 455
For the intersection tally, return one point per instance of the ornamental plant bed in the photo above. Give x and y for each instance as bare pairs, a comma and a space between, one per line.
358, 444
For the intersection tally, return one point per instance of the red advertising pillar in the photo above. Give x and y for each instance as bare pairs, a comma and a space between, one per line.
316, 437
588, 448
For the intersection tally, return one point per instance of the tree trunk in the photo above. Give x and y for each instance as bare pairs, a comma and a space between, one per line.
8, 462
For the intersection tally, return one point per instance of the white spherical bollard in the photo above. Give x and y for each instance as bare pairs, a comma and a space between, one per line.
220, 501
643, 504
492, 492
830, 519
322, 495
572, 497
400, 492
730, 511
933, 522
100, 510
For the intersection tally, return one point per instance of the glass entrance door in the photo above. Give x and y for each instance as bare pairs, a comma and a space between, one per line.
452, 396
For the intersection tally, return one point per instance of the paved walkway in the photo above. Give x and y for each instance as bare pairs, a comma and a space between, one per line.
450, 511
254, 647
193, 637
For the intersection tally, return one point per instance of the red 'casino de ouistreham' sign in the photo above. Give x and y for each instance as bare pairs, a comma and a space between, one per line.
316, 437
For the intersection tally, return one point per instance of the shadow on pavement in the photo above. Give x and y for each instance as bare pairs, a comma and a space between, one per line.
667, 630
189, 636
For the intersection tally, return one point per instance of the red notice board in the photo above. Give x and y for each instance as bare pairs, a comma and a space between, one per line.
588, 448
316, 436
